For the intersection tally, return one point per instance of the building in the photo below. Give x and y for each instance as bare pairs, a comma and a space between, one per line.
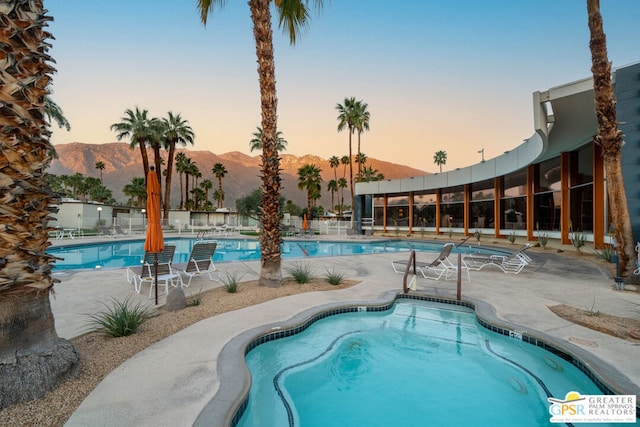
554, 182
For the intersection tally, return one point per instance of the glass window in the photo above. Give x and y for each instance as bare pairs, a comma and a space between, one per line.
515, 184
581, 164
549, 175
514, 213
482, 190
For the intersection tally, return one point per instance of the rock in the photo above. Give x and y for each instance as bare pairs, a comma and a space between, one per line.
175, 300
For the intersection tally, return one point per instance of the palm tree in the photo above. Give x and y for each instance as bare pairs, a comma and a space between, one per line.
610, 138
188, 166
256, 142
309, 179
136, 189
206, 185
181, 160
293, 16
176, 131
334, 162
136, 125
218, 196
370, 174
342, 184
219, 171
52, 111
100, 167
440, 158
362, 124
33, 359
361, 160
332, 186
347, 120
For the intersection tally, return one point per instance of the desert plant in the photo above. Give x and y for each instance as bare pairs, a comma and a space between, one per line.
592, 312
512, 237
607, 253
477, 235
334, 278
231, 282
195, 299
120, 319
543, 237
302, 272
577, 239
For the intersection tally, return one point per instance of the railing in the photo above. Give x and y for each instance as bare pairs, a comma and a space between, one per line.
411, 262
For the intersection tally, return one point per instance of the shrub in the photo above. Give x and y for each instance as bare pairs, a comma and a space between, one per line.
577, 240
120, 319
301, 272
543, 238
195, 299
334, 278
231, 282
512, 237
607, 253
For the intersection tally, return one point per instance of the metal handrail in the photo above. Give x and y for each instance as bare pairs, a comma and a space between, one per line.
412, 261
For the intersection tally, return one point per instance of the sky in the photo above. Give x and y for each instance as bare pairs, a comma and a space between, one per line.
455, 75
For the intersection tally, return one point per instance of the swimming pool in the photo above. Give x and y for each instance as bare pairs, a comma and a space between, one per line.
417, 363
120, 254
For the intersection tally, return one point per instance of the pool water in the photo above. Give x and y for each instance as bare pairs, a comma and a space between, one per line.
417, 364
114, 254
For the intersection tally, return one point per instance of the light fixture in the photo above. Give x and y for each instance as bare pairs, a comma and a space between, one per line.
481, 152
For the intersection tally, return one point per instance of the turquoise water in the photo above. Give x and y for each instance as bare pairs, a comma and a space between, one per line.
417, 364
114, 254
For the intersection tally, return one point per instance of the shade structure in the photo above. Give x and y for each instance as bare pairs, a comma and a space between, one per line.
154, 241
305, 225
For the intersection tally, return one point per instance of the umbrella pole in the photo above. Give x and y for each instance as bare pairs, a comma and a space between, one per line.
155, 269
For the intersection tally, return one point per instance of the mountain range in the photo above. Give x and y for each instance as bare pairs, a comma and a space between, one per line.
123, 163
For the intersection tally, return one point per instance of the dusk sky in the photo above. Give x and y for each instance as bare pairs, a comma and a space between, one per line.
453, 75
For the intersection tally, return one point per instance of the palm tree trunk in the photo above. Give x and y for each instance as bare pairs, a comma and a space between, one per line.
270, 273
33, 360
145, 157
359, 176
167, 180
351, 171
610, 138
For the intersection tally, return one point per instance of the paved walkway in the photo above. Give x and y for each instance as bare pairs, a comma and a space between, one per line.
171, 382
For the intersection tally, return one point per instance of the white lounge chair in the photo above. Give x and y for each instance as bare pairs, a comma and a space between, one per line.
200, 262
436, 269
147, 271
513, 263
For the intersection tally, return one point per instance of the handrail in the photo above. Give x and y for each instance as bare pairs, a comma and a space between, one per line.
412, 261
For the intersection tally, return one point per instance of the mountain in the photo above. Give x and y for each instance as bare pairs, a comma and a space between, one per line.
123, 163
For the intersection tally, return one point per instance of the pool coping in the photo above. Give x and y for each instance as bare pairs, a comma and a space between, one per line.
228, 404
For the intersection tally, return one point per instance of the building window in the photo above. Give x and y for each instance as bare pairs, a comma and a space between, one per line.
481, 204
452, 207
424, 209
547, 198
581, 188
513, 203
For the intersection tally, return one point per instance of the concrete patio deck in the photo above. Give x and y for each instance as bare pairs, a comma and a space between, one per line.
171, 382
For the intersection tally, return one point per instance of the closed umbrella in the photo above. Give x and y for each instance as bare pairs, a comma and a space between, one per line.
305, 225
154, 242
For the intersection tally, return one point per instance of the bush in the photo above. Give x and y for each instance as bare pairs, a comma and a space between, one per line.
120, 320
301, 272
512, 237
231, 282
195, 299
334, 278
577, 240
607, 253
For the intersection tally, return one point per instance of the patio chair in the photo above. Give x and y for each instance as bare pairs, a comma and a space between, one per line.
147, 272
400, 265
200, 262
513, 263
119, 231
104, 231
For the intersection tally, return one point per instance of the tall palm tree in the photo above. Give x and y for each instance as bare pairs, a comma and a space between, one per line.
361, 160
136, 125
344, 160
256, 141
440, 158
609, 137
334, 162
100, 167
309, 179
33, 359
219, 171
293, 17
347, 120
370, 174
176, 131
362, 124
188, 168
218, 196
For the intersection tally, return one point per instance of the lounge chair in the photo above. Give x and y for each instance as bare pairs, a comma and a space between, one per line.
104, 231
200, 262
441, 266
513, 263
119, 231
147, 271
